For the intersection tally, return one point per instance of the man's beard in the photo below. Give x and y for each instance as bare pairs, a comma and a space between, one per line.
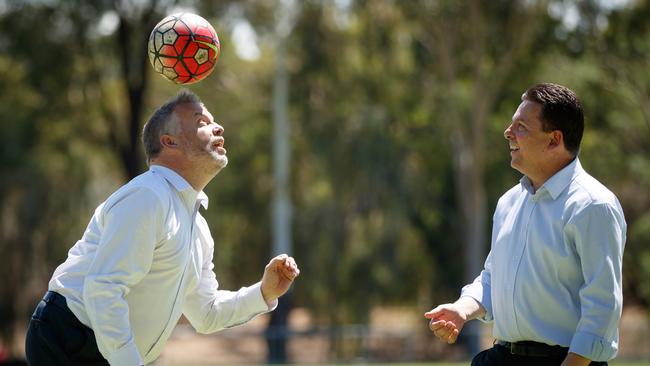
204, 156
208, 157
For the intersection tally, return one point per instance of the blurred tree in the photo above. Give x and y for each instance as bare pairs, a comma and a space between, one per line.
57, 132
403, 75
36, 107
394, 109
112, 41
604, 55
621, 46
351, 107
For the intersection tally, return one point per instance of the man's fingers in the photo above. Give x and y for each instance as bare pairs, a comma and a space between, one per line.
443, 333
444, 330
290, 261
278, 258
453, 336
290, 273
433, 313
277, 261
286, 265
434, 325
451, 332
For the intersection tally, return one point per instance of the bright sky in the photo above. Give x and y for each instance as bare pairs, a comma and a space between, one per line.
244, 38
245, 41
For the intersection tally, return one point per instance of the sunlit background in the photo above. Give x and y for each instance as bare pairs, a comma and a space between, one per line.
364, 137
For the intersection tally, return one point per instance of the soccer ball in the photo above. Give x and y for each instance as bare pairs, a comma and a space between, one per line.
184, 48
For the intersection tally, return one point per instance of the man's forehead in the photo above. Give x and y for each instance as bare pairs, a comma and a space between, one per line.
195, 109
203, 111
527, 111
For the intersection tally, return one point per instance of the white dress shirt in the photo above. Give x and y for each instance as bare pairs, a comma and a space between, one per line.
553, 274
145, 259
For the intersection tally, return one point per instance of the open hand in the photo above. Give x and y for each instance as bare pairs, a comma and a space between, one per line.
446, 322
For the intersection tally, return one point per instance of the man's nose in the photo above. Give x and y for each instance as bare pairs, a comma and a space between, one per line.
217, 130
508, 133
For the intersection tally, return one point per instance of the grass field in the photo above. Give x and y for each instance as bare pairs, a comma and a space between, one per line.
614, 363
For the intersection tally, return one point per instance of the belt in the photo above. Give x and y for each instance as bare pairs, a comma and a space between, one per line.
52, 297
533, 349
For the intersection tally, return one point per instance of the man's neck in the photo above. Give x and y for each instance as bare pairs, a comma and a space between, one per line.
545, 173
196, 178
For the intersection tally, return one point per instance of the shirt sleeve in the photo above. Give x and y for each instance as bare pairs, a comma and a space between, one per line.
481, 290
209, 309
130, 226
599, 237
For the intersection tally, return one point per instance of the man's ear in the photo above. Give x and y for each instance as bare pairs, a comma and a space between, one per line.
557, 139
168, 141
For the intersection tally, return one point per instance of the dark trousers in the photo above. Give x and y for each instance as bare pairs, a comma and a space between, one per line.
501, 356
56, 337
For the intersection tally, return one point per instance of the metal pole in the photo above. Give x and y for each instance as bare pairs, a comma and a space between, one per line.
277, 332
281, 141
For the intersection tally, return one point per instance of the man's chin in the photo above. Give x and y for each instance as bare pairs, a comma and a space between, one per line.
222, 161
517, 167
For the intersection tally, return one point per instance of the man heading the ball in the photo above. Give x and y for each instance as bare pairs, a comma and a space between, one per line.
146, 257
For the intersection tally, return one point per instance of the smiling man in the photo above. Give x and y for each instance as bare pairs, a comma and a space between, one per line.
146, 257
552, 280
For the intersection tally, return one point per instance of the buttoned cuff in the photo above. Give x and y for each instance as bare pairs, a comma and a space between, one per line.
253, 297
483, 297
593, 347
128, 355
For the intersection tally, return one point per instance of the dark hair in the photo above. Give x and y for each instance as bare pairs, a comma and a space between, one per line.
160, 123
561, 110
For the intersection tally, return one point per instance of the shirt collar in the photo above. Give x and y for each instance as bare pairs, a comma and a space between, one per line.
558, 182
180, 184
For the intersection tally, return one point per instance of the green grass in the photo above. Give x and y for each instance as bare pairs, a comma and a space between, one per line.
613, 363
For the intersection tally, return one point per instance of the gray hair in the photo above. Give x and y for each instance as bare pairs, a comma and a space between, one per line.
162, 122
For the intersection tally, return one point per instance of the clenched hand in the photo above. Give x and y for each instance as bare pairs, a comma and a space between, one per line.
278, 277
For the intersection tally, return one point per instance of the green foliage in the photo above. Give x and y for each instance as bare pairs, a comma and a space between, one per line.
384, 98
38, 158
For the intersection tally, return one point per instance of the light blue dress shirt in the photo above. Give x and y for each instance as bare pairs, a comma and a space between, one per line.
553, 274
